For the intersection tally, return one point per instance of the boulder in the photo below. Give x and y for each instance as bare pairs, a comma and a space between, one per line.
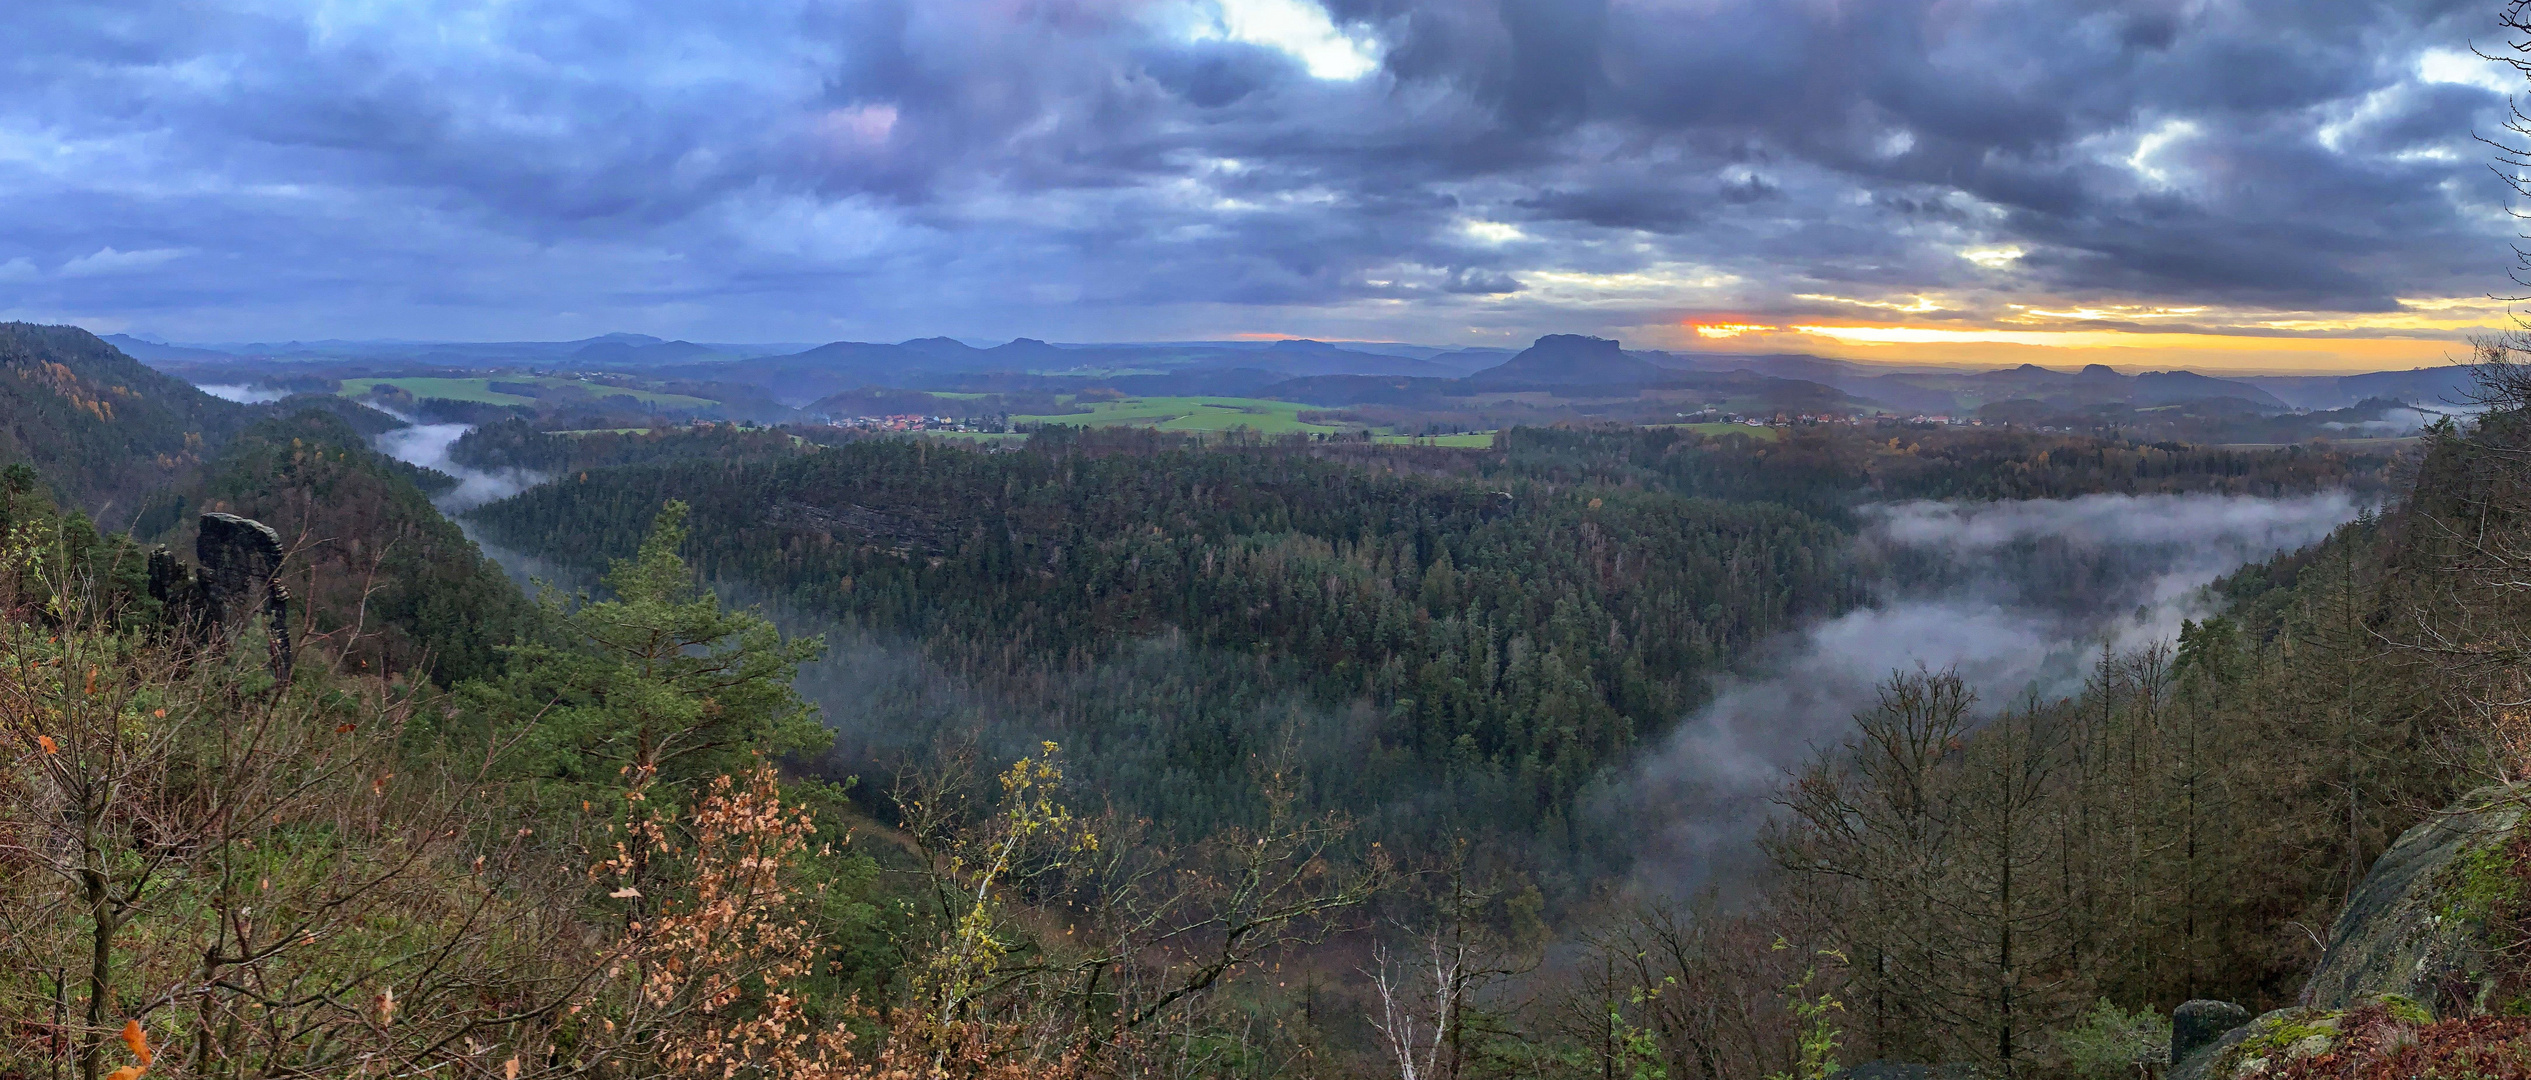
2253, 1048
2416, 928
2196, 1024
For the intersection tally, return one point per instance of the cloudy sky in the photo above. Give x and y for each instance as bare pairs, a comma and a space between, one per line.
2247, 183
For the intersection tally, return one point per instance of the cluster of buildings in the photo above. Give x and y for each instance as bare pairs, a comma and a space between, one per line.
1717, 416
911, 422
1711, 416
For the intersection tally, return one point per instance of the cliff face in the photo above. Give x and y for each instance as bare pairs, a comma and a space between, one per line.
2422, 939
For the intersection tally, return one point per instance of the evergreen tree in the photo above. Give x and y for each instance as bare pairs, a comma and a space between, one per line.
658, 682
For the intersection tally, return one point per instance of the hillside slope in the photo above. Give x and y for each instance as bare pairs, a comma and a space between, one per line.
380, 573
102, 428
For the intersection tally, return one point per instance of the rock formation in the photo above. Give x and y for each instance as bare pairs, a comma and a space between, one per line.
239, 578
2414, 940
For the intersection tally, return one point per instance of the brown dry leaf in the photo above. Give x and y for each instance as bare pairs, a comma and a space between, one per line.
137, 1042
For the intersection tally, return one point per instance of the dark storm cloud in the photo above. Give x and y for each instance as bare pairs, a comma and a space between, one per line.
1120, 168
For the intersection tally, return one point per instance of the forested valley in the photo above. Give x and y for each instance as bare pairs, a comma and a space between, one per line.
1117, 753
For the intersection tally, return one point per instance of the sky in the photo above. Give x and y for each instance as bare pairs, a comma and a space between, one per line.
2217, 184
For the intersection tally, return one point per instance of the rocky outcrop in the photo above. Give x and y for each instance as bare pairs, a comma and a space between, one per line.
2413, 945
2416, 927
239, 559
240, 562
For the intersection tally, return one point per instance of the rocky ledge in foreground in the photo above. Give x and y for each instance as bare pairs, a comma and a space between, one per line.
2423, 962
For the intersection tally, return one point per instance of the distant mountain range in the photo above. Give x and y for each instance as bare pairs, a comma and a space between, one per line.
1322, 372
605, 348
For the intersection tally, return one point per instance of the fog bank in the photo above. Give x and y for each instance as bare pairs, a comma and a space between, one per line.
2019, 596
427, 445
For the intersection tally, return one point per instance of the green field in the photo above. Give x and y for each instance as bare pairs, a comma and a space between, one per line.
480, 390
1191, 414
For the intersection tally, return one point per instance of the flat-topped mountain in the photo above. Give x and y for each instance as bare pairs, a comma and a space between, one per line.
1569, 360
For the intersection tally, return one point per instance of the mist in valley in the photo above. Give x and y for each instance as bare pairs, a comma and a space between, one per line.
427, 445
2020, 597
241, 393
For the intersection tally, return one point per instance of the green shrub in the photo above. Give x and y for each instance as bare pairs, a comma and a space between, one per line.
2109, 1042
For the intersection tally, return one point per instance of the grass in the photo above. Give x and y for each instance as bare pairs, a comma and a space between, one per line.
646, 397
1207, 414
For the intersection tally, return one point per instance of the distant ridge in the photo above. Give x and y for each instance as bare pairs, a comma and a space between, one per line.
151, 350
799, 374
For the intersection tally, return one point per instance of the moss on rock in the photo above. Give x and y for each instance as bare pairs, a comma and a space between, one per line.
2417, 928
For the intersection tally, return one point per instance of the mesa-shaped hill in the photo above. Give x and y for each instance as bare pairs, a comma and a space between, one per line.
1569, 361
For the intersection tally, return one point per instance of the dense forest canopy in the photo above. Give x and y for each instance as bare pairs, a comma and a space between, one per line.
1507, 643
1146, 753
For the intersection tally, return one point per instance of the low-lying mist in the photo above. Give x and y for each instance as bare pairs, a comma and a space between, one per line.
427, 445
241, 393
2018, 596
